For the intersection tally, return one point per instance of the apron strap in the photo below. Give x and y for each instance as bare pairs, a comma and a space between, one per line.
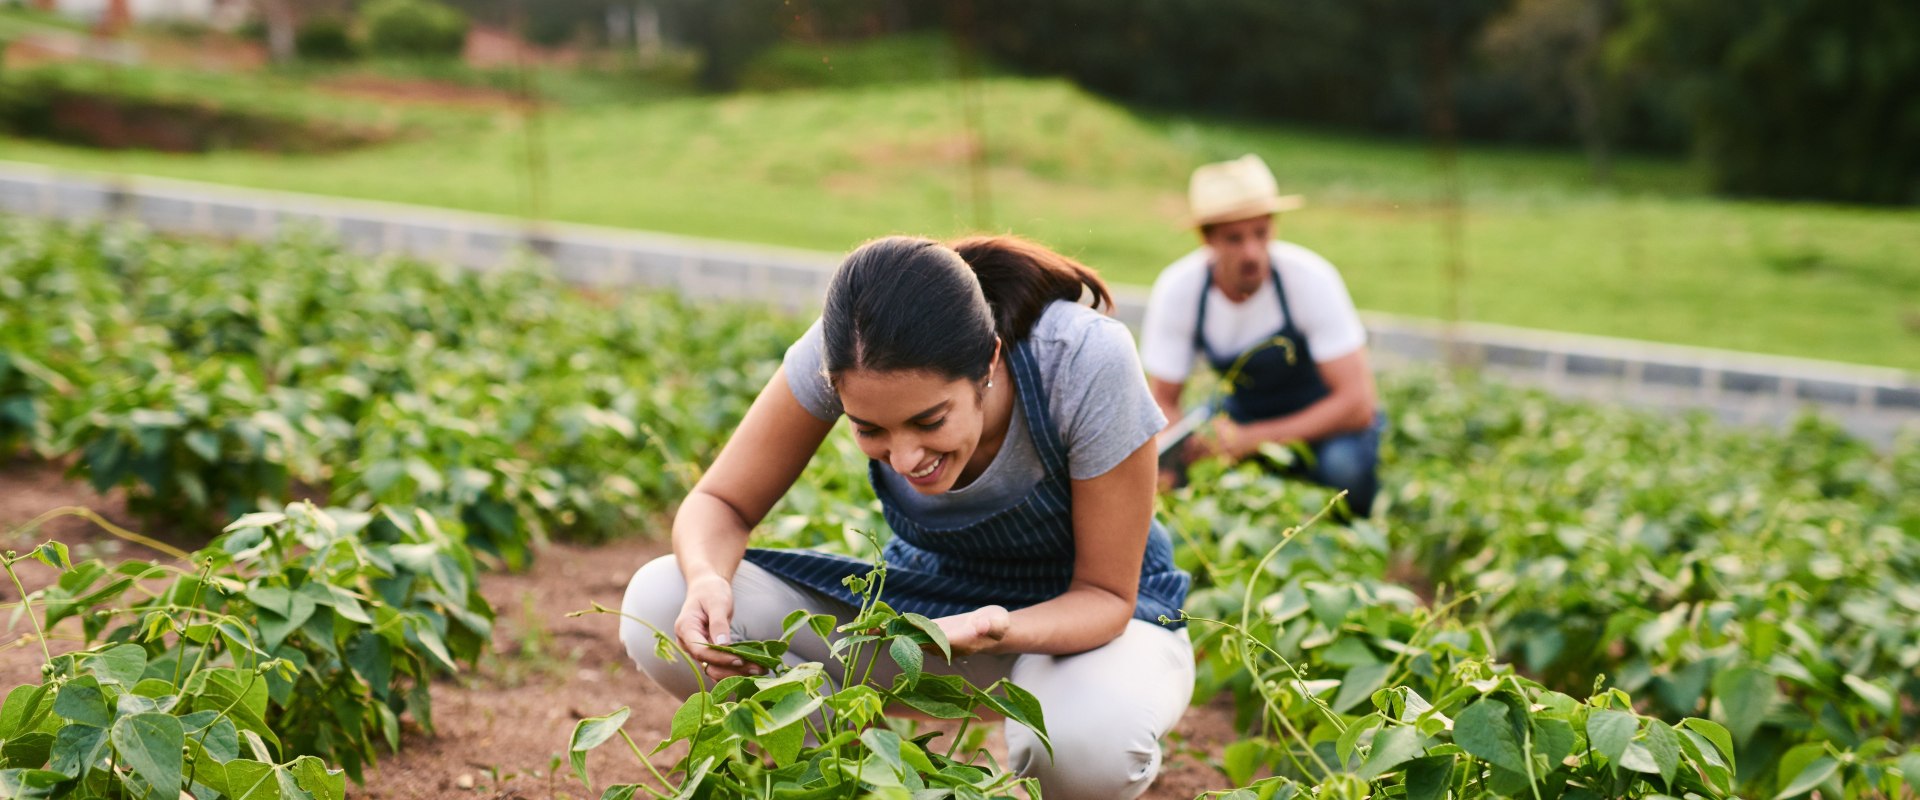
1033, 401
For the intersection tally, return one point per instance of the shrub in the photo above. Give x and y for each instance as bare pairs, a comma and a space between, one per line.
325, 39
414, 28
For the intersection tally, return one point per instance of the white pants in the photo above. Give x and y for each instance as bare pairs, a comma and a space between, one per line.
1105, 709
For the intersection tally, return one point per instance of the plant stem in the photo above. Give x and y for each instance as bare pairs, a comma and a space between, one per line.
649, 765
38, 632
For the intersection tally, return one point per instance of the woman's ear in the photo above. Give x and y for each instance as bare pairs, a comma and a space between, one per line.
994, 362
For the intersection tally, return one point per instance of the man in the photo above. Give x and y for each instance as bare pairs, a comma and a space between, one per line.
1275, 321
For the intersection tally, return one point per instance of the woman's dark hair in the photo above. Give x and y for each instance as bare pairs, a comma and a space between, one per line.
906, 303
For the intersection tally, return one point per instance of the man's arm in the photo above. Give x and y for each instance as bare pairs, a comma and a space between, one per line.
1166, 395
1349, 407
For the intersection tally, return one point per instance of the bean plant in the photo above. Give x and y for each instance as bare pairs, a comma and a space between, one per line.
814, 730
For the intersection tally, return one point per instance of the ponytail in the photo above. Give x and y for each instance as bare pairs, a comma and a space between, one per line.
906, 303
1020, 278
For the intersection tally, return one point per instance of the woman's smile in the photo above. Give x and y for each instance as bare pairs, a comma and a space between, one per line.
927, 475
937, 433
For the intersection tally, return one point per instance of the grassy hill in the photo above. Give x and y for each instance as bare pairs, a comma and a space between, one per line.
837, 146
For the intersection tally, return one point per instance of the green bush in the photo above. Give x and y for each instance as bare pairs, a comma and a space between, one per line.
1796, 100
325, 39
295, 641
414, 29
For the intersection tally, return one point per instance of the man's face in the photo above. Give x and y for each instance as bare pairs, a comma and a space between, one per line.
1239, 255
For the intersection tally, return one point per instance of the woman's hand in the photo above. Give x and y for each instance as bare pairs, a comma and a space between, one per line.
704, 619
975, 631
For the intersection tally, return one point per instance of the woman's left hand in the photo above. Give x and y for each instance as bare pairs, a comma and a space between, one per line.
975, 631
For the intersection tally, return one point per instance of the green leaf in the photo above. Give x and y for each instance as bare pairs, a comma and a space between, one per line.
783, 744
1483, 731
1703, 754
241, 695
938, 709
257, 519
1429, 778
121, 664
24, 706
1359, 684
1611, 732
151, 745
687, 720
283, 612
1664, 745
28, 750
53, 554
788, 711
1714, 732
31, 784
1809, 777
84, 704
428, 639
1026, 709
251, 780
1743, 695
933, 632
215, 733
909, 656
590, 733
1875, 695
1240, 759
1391, 748
765, 654
1554, 739
885, 744
76, 748
314, 777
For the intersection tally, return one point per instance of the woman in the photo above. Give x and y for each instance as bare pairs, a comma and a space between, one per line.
1010, 437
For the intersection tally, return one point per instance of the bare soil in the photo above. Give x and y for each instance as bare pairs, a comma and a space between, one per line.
500, 729
407, 91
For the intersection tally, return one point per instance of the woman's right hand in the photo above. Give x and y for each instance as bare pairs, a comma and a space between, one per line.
706, 618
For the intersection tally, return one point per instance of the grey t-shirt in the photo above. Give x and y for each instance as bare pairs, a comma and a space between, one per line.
1096, 394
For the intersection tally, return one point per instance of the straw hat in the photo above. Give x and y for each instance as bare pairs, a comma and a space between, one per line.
1235, 190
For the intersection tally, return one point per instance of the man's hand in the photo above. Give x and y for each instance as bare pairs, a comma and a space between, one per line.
1224, 438
975, 631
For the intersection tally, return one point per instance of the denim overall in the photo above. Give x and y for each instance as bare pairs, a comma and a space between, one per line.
1015, 558
1278, 377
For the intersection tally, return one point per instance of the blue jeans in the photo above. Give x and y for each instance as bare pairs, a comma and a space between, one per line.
1349, 461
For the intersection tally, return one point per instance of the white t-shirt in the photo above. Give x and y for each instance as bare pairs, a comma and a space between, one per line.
1322, 311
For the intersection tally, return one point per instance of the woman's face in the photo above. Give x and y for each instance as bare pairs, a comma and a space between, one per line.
923, 425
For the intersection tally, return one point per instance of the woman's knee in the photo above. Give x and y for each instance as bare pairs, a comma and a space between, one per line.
1095, 755
651, 605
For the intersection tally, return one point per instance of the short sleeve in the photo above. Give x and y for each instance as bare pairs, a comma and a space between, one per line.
1322, 308
807, 378
1166, 333
1101, 402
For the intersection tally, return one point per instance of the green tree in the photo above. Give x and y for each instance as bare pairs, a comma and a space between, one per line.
1791, 98
727, 34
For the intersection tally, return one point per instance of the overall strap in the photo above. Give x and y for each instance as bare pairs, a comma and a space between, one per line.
1033, 401
1280, 290
1200, 324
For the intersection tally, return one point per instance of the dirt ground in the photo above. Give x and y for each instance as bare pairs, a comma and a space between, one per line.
405, 91
502, 727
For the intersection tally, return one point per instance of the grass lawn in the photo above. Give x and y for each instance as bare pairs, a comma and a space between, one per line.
815, 159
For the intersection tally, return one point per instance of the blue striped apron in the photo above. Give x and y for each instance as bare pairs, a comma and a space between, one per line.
1014, 558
